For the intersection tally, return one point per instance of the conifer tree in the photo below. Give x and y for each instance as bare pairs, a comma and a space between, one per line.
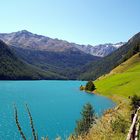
87, 120
90, 86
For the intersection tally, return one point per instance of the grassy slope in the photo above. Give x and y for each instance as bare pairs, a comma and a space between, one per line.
122, 81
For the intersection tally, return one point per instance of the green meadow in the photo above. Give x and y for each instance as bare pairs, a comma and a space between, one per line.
123, 81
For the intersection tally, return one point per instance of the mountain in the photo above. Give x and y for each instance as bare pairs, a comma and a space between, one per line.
12, 68
53, 55
66, 59
28, 40
95, 70
101, 50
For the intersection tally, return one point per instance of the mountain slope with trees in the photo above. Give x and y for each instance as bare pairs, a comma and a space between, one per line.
94, 70
12, 68
64, 63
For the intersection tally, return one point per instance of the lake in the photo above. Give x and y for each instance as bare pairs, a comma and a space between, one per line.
55, 106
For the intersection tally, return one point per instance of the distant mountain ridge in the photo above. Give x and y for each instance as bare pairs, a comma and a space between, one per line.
101, 50
27, 40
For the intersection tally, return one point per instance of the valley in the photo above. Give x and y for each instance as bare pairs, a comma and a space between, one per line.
59, 58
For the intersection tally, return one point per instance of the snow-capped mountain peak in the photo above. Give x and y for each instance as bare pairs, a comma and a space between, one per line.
101, 50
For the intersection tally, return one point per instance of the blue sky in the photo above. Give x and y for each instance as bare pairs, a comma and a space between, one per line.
80, 21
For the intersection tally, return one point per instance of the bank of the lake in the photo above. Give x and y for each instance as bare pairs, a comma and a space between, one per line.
119, 85
114, 123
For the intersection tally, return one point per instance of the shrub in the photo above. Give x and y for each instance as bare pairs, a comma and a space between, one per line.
119, 125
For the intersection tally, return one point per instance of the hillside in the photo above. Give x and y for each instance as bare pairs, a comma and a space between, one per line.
123, 80
94, 70
12, 68
120, 85
64, 63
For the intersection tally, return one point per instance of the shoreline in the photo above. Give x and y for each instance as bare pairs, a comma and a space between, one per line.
104, 124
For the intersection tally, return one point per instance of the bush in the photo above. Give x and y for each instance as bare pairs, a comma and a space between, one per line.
119, 125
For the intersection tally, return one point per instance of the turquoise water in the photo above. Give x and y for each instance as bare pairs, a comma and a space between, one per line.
55, 106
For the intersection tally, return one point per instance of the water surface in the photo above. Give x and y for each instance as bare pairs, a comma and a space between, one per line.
55, 106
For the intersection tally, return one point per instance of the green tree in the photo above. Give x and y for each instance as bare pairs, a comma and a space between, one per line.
87, 120
90, 86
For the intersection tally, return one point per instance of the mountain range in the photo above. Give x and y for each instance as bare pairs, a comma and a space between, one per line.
27, 40
47, 58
